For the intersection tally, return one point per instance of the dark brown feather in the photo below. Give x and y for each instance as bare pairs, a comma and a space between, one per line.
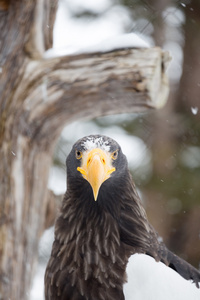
88, 259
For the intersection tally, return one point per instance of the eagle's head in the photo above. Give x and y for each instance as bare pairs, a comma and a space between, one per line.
95, 163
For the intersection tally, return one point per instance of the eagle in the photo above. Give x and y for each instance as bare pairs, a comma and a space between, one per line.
102, 225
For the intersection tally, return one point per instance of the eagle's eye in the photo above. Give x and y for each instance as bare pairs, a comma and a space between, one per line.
79, 154
114, 155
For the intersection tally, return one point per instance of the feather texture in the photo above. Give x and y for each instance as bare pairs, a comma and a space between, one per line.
86, 258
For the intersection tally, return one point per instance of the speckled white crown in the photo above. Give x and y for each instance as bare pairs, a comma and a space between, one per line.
96, 142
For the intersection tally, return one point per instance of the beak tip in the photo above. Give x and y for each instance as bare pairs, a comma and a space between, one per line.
95, 197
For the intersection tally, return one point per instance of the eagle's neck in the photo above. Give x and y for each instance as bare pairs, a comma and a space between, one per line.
92, 258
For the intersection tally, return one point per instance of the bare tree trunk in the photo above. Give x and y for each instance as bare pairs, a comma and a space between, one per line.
37, 98
189, 90
24, 161
162, 143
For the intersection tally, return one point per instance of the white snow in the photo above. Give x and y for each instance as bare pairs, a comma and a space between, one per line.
150, 280
190, 157
183, 4
175, 67
104, 33
123, 41
174, 16
194, 110
73, 34
37, 291
57, 180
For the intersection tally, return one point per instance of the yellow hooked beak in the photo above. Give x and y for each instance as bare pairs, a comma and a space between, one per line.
96, 167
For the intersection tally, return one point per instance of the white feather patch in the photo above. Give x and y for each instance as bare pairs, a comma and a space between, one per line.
92, 143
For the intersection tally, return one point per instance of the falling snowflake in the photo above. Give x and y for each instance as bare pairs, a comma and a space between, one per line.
194, 110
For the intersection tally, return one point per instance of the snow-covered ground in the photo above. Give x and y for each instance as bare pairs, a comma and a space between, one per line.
151, 280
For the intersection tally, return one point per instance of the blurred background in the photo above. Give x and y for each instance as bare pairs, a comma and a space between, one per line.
163, 146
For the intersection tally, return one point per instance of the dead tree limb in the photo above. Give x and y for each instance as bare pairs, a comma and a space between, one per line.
90, 85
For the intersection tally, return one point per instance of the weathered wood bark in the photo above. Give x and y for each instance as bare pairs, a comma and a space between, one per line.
37, 98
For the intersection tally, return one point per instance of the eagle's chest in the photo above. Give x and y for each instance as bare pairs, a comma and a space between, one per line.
90, 262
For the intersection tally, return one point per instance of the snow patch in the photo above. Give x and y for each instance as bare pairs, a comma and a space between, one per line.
148, 279
57, 180
123, 41
37, 291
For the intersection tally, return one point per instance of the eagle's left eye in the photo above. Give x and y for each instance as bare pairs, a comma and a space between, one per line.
114, 155
79, 154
